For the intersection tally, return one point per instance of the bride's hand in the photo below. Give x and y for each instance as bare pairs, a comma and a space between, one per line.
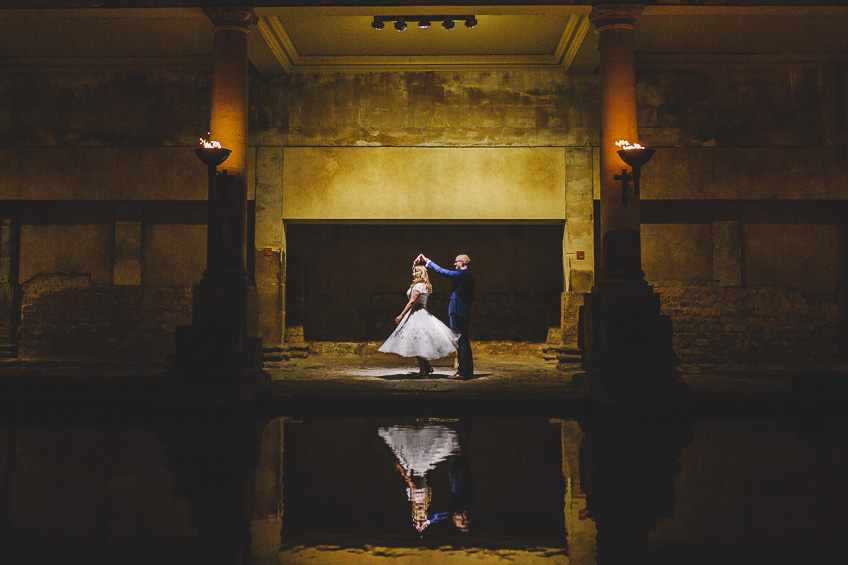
397, 320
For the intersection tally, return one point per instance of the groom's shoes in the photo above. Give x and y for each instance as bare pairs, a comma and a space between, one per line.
458, 377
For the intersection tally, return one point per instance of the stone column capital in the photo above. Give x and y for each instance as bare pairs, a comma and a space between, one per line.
607, 15
236, 18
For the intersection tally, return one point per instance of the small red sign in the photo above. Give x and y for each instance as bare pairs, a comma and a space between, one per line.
581, 255
268, 252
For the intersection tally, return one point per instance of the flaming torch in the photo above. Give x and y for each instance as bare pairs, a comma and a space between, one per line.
212, 155
634, 155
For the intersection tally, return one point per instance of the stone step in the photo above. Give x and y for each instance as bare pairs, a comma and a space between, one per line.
298, 349
276, 353
8, 350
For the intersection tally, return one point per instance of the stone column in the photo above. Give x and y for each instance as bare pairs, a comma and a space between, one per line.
126, 269
228, 125
9, 314
223, 338
623, 333
620, 235
578, 257
727, 245
270, 252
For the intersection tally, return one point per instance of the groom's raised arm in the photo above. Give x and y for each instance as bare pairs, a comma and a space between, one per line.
441, 271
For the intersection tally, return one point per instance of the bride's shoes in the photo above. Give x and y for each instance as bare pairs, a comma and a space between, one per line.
423, 374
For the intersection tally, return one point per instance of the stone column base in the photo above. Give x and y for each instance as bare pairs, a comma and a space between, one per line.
220, 352
623, 335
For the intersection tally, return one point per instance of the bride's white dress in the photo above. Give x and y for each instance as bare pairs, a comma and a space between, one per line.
419, 333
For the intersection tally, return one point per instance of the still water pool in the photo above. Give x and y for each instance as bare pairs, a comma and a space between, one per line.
220, 487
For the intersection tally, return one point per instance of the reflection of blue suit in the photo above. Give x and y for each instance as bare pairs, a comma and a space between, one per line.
461, 299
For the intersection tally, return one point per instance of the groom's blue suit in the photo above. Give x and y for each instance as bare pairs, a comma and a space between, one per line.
461, 299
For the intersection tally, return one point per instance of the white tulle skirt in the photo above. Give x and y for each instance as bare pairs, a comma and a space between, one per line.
421, 334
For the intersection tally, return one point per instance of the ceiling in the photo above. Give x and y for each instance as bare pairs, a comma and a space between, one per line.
341, 38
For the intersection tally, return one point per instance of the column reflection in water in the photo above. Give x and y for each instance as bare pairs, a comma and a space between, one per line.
628, 468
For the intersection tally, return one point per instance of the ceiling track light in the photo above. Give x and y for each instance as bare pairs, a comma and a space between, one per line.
400, 22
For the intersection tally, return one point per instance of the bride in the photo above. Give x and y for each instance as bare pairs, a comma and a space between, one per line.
420, 334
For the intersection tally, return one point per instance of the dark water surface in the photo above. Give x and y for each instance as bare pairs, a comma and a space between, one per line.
219, 486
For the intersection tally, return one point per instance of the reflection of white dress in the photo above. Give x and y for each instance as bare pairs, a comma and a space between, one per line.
419, 333
419, 449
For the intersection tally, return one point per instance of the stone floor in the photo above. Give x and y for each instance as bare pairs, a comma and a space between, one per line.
498, 378
348, 378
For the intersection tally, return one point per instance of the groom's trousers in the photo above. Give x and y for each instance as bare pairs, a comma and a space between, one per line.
459, 324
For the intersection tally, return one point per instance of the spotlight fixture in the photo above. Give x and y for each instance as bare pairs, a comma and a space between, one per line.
400, 22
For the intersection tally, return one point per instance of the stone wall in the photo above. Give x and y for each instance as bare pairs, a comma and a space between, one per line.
428, 108
66, 317
756, 326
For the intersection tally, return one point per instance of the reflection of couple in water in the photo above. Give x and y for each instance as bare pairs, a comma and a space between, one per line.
419, 449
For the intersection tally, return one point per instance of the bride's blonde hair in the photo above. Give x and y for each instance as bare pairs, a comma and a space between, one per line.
419, 275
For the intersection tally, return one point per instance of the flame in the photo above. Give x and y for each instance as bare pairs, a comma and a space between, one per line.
626, 145
210, 144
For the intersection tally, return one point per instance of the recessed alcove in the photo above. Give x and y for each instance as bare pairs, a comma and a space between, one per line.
347, 282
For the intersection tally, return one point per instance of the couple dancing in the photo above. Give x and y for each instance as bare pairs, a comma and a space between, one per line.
421, 335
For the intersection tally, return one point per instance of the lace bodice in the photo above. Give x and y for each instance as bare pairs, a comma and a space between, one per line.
422, 296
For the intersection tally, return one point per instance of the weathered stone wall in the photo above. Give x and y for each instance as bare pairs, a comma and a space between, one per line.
725, 132
762, 325
430, 108
67, 317
75, 107
520, 124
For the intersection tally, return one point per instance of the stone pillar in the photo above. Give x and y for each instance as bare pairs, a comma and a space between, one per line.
727, 245
9, 314
623, 335
620, 237
270, 252
223, 338
126, 268
578, 257
842, 287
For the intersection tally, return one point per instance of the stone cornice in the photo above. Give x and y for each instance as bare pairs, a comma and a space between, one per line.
606, 15
237, 18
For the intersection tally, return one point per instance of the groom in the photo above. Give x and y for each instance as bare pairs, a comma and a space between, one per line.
462, 296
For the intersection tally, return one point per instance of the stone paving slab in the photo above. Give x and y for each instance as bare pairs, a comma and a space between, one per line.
495, 377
